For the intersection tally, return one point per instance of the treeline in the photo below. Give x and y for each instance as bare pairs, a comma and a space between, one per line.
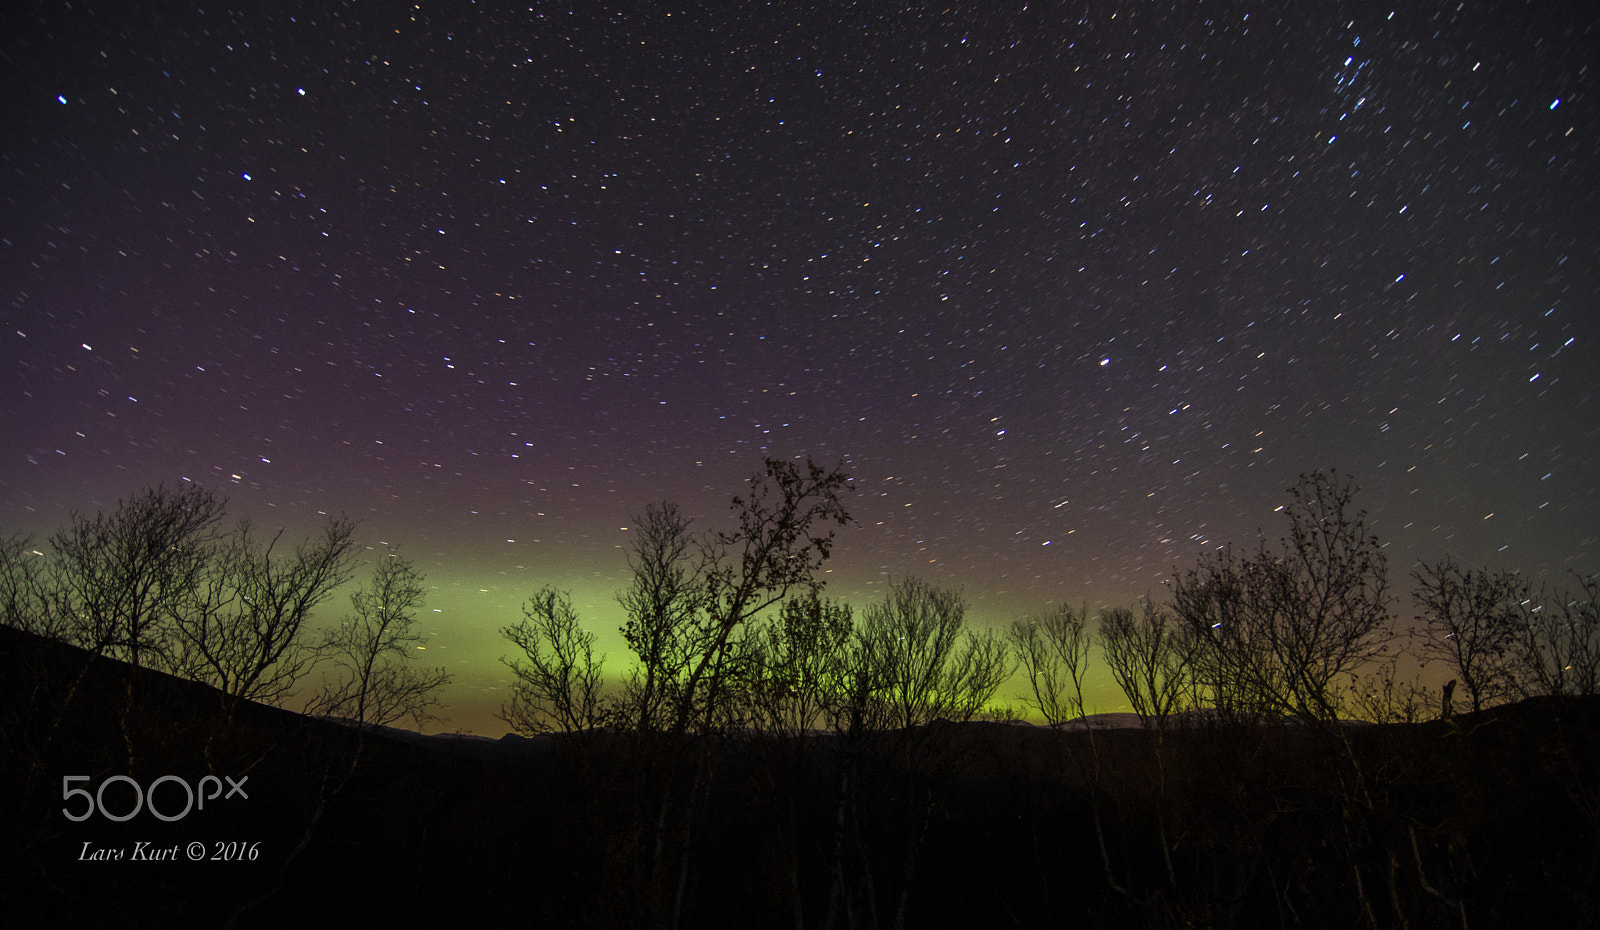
769, 754
159, 583
729, 631
731, 637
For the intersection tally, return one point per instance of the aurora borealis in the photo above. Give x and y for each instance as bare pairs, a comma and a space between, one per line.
1073, 291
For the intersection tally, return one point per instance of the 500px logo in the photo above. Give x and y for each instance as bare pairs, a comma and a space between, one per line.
195, 798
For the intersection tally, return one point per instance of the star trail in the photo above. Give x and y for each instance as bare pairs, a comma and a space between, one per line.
1074, 291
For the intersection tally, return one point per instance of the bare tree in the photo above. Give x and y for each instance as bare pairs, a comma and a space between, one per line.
23, 599
796, 662
154, 584
1471, 621
666, 625
1283, 633
559, 680
116, 581
778, 548
30, 721
239, 627
1502, 636
1053, 651
1558, 638
692, 604
914, 661
693, 612
120, 578
376, 683
910, 668
1382, 696
1149, 658
1277, 633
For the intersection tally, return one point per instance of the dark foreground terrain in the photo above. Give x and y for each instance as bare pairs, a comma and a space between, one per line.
1482, 821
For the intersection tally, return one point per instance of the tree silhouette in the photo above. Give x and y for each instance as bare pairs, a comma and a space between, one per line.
1149, 657
23, 573
694, 609
1278, 632
1284, 634
119, 579
779, 547
558, 679
908, 673
666, 625
1558, 638
1053, 651
796, 660
376, 683
691, 607
1470, 623
239, 628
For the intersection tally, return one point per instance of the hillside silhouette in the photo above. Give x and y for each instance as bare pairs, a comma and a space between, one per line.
770, 755
1492, 815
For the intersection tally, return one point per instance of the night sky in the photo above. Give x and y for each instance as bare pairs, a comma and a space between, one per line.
1074, 291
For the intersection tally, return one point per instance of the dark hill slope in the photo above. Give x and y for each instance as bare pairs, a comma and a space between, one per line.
1496, 816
